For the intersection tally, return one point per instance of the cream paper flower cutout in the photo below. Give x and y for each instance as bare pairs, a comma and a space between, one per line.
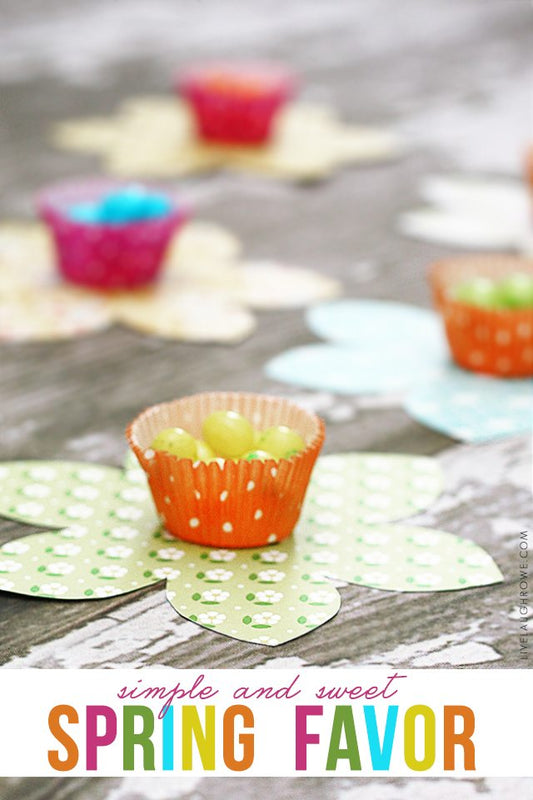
473, 212
155, 137
205, 294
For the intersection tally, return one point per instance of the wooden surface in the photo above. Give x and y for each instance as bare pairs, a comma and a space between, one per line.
429, 69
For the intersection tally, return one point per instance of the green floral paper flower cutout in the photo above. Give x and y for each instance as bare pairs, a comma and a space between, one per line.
107, 540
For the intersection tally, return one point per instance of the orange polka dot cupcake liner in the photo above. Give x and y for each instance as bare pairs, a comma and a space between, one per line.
227, 503
491, 341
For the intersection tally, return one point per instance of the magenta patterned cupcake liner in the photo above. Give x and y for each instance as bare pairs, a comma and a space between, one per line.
236, 103
105, 255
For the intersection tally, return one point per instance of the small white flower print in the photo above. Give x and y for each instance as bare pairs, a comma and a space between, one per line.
170, 554
42, 473
74, 532
123, 532
266, 618
79, 511
218, 575
166, 573
54, 589
211, 618
118, 551
426, 559
112, 571
15, 548
375, 558
66, 549
324, 558
129, 513
91, 475
268, 596
273, 556
10, 566
425, 539
36, 490
377, 483
329, 500
478, 559
317, 577
329, 481
320, 598
325, 538
6, 584
377, 464
59, 568
106, 591
374, 539
315, 619
377, 501
134, 494
214, 596
270, 576
135, 476
85, 493
327, 518
427, 579
29, 509
265, 640
375, 578
221, 555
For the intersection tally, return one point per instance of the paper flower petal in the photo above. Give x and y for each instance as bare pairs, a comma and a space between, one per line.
201, 245
386, 347
266, 284
347, 370
406, 558
262, 596
51, 313
112, 544
63, 493
80, 563
154, 137
457, 230
367, 488
472, 212
26, 256
184, 314
376, 323
471, 407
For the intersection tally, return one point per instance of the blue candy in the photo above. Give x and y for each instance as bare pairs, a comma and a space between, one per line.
130, 204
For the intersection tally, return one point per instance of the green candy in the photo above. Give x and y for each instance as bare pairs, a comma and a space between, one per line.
259, 455
281, 441
203, 451
228, 433
516, 291
513, 292
175, 441
481, 292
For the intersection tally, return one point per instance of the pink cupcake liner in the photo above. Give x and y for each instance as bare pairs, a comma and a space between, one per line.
238, 116
103, 255
227, 503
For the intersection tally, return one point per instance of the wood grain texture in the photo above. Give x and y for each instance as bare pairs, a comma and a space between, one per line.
422, 66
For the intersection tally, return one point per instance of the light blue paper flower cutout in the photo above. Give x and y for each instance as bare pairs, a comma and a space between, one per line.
473, 408
381, 348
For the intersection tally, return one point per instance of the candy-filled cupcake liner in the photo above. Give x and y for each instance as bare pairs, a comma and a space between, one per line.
243, 114
227, 503
105, 255
491, 341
